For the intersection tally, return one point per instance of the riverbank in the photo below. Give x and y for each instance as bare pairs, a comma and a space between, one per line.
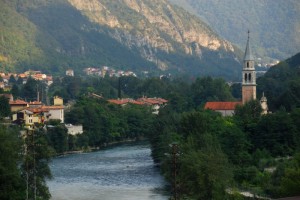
104, 146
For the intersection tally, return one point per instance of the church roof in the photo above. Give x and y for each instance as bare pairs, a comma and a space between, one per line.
248, 53
221, 105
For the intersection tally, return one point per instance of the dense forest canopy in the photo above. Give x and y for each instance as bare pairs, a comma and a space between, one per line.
281, 84
217, 156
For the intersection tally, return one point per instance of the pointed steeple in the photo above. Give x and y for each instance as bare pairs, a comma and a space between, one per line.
248, 52
248, 75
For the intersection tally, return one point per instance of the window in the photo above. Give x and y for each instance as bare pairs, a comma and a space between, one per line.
247, 64
249, 77
246, 78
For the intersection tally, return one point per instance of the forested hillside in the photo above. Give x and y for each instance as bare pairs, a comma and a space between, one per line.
281, 84
51, 37
137, 35
274, 25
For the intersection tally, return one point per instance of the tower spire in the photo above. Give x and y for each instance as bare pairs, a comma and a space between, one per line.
248, 52
249, 75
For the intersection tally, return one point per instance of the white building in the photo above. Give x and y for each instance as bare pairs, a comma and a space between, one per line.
55, 112
74, 129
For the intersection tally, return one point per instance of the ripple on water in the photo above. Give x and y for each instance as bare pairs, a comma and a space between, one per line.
124, 172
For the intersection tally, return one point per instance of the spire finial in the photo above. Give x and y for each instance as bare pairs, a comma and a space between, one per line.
248, 34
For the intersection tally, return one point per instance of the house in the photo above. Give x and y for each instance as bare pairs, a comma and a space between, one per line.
18, 105
121, 102
74, 129
70, 72
55, 112
156, 103
37, 113
49, 80
35, 104
30, 116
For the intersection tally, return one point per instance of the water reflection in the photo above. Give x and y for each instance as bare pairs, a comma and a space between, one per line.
121, 173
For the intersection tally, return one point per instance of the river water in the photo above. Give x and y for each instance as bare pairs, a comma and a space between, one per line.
125, 172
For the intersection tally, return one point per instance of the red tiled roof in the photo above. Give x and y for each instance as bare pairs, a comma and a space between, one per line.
221, 105
137, 102
37, 110
35, 103
163, 100
22, 75
140, 101
118, 101
52, 107
152, 101
18, 102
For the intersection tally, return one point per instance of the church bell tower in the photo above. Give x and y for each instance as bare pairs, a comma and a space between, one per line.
249, 75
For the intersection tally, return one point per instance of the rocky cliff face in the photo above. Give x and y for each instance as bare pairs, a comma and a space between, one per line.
150, 35
153, 26
274, 25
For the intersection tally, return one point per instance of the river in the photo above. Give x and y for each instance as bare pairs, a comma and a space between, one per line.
124, 172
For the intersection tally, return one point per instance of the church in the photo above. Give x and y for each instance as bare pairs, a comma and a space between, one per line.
248, 87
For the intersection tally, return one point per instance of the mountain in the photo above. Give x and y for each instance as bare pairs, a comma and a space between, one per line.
126, 34
274, 25
281, 84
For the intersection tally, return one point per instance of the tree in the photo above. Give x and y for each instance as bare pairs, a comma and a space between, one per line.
12, 80
286, 178
12, 186
204, 172
248, 115
15, 91
35, 167
4, 107
29, 90
20, 81
276, 133
58, 138
209, 89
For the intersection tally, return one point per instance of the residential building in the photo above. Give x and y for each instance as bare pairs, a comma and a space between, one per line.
18, 105
155, 103
74, 129
55, 112
70, 72
35, 104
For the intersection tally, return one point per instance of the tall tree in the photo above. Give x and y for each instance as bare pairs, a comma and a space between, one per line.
4, 107
35, 169
12, 186
29, 90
